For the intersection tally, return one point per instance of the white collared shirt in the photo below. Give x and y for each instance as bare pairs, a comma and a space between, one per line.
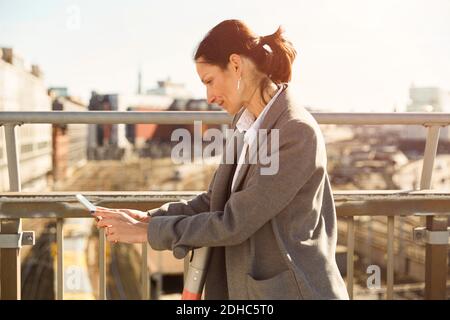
250, 127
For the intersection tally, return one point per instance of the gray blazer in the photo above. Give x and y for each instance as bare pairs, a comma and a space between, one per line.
273, 236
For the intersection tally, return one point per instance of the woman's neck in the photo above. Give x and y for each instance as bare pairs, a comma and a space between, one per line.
256, 103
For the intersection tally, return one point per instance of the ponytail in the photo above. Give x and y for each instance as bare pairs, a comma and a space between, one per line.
279, 54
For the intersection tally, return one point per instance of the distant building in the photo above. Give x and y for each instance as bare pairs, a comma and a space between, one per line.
170, 89
150, 133
117, 141
58, 92
139, 88
142, 134
23, 89
108, 141
69, 140
426, 99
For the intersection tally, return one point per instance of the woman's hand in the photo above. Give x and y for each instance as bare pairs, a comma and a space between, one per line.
133, 213
123, 225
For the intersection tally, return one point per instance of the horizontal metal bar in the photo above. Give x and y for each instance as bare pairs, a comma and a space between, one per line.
65, 205
10, 241
362, 203
398, 288
114, 117
421, 234
13, 241
185, 117
385, 118
397, 207
340, 195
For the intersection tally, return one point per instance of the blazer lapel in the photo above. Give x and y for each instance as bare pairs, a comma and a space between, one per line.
269, 121
242, 170
225, 171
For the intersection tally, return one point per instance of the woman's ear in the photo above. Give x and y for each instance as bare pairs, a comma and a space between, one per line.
236, 63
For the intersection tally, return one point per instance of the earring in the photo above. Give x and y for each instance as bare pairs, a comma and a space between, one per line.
238, 84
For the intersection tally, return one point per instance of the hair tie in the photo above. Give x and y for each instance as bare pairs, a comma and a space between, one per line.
263, 43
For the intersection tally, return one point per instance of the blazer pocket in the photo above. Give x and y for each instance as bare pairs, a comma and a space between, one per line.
282, 286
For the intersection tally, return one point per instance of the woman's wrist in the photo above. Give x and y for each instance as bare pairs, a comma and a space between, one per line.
146, 218
142, 234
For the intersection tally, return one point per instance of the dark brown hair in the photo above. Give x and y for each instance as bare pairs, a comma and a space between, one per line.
234, 36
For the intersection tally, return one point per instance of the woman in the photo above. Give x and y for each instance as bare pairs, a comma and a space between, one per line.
272, 236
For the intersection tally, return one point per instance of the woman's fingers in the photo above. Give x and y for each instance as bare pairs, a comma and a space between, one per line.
97, 215
128, 212
105, 222
108, 216
112, 237
107, 209
119, 223
104, 212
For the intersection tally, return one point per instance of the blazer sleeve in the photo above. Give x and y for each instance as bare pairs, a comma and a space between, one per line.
249, 209
198, 204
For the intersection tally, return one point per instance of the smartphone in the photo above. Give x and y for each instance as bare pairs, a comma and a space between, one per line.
86, 203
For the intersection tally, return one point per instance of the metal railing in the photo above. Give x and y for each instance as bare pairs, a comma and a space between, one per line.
15, 205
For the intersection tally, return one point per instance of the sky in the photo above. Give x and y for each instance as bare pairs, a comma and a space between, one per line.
353, 55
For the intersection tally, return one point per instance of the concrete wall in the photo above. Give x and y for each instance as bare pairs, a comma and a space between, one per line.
22, 91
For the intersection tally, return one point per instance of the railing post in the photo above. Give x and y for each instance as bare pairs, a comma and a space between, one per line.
429, 157
144, 273
350, 254
60, 259
102, 264
436, 262
390, 259
10, 262
435, 254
